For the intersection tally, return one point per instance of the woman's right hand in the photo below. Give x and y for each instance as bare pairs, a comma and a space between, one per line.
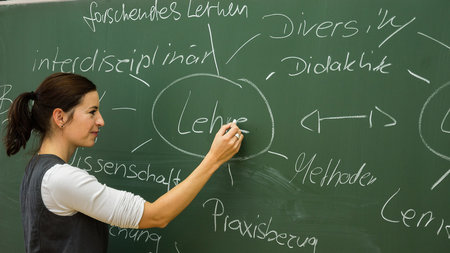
226, 143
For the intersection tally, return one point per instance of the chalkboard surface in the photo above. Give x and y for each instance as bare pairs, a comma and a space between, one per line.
345, 104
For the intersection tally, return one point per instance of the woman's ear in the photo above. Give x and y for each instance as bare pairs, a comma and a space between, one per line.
59, 117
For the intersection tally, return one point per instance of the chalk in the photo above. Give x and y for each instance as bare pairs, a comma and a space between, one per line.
237, 135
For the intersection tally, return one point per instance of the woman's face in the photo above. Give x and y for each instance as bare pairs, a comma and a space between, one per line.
83, 129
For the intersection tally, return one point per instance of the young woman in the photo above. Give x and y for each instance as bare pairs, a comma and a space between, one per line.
64, 209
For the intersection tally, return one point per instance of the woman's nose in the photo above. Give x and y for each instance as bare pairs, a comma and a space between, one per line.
100, 122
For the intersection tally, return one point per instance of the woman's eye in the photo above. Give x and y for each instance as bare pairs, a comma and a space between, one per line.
93, 112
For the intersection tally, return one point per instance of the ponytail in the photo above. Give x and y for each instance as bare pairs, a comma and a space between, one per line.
32, 111
20, 123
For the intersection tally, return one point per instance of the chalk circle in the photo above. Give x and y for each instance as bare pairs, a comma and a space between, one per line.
435, 101
242, 96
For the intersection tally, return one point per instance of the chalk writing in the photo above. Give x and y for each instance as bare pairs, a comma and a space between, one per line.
313, 174
112, 15
159, 11
200, 64
128, 171
317, 124
5, 101
200, 125
390, 23
137, 236
309, 65
346, 28
217, 9
410, 218
301, 27
259, 228
104, 61
215, 122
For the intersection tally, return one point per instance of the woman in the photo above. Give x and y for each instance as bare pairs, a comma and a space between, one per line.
64, 209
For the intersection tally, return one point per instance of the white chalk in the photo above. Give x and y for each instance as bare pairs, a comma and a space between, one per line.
237, 135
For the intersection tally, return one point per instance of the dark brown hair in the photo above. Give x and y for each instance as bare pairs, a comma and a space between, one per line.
33, 110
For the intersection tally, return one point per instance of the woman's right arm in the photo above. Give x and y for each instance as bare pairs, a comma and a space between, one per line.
172, 203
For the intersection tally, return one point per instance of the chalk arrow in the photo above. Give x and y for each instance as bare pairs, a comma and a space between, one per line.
313, 120
393, 122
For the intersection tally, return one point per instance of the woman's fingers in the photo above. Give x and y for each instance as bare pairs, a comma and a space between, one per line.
223, 130
237, 144
227, 142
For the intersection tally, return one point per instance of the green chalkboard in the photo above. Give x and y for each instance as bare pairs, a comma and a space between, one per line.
345, 104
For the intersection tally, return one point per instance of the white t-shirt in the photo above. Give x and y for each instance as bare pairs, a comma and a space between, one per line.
67, 190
